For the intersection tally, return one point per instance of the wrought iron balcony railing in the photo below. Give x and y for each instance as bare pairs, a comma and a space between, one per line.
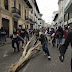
15, 10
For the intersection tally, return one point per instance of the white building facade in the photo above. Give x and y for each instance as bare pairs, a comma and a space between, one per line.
68, 12
61, 12
36, 16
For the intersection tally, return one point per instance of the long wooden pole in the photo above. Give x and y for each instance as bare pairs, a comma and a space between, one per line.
22, 60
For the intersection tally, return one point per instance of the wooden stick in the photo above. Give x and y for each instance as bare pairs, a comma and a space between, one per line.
14, 67
25, 48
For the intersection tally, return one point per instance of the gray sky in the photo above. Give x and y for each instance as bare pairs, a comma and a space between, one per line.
47, 7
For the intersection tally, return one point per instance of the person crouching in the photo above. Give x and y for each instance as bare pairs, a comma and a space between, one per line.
15, 38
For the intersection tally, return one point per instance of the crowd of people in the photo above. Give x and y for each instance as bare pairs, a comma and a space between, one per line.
45, 36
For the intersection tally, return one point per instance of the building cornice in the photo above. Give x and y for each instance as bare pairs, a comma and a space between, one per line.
35, 3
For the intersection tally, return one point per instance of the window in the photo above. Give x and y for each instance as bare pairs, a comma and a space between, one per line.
70, 15
14, 3
66, 17
19, 7
6, 4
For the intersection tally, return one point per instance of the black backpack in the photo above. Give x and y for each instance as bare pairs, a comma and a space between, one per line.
59, 34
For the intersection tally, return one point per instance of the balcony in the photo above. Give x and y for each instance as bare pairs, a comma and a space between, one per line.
68, 7
16, 12
30, 20
28, 3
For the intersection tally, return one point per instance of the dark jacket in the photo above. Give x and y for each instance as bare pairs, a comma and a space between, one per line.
43, 39
17, 38
66, 43
59, 33
23, 33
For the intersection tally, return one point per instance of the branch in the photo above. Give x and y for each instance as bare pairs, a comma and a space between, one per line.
23, 59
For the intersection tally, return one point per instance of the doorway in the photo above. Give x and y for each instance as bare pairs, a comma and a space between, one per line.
5, 24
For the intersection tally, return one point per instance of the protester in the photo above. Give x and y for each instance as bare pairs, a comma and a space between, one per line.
23, 33
44, 42
27, 35
66, 31
65, 46
37, 36
3, 35
52, 32
15, 38
46, 31
53, 38
59, 35
49, 36
18, 32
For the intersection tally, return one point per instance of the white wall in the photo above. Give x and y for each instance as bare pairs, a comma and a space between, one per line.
35, 18
61, 12
66, 3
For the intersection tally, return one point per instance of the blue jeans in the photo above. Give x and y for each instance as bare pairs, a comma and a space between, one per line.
45, 48
13, 42
59, 42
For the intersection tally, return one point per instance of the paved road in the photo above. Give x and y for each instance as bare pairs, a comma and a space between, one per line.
39, 63
7, 57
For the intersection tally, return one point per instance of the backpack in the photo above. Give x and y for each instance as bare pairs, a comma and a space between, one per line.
59, 34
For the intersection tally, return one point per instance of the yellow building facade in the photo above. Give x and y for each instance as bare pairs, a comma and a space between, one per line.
13, 14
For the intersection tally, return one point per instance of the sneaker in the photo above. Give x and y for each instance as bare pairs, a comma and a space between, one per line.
49, 58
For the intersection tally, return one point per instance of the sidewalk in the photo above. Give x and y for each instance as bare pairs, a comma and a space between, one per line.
7, 42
